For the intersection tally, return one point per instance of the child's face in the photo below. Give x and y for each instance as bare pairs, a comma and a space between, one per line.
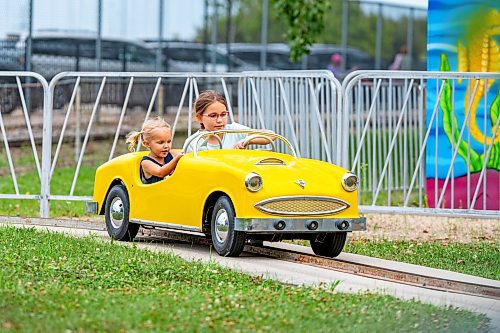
160, 143
215, 117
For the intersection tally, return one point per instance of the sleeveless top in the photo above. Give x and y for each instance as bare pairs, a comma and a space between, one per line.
153, 179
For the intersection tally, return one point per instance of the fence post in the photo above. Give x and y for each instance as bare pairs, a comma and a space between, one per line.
78, 132
46, 151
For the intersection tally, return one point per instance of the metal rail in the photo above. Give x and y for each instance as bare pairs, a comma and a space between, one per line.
387, 129
42, 169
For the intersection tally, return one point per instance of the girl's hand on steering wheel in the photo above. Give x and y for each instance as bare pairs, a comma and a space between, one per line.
239, 144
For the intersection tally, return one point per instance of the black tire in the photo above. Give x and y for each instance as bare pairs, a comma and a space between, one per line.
331, 246
227, 242
117, 209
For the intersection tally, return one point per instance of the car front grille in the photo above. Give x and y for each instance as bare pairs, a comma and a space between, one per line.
302, 206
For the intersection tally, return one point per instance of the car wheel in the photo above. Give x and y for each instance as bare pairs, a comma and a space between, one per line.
330, 246
116, 213
227, 242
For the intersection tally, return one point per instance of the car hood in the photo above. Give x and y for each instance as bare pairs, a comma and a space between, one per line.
276, 168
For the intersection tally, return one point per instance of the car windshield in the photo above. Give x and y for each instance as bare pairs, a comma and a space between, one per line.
273, 141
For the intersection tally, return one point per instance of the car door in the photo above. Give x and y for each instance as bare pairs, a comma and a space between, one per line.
139, 58
53, 55
175, 200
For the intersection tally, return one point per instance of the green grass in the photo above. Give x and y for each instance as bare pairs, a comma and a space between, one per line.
51, 282
479, 259
29, 183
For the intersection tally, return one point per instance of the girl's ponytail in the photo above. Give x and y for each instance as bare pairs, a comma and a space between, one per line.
133, 140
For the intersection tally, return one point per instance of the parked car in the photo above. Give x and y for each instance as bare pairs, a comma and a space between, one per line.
277, 55
11, 58
320, 55
233, 196
197, 57
54, 53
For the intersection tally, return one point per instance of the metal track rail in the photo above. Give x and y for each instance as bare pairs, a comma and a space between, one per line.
371, 271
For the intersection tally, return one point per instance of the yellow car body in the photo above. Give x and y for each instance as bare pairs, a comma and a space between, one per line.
295, 191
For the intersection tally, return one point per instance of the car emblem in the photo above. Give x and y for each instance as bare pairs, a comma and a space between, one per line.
301, 183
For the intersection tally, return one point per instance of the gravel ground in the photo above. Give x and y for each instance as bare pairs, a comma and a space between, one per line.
426, 228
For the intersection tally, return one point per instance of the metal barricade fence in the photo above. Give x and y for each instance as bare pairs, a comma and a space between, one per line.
99, 109
392, 137
97, 105
375, 124
304, 106
18, 91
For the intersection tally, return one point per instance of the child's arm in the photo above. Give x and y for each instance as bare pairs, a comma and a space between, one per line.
256, 141
152, 169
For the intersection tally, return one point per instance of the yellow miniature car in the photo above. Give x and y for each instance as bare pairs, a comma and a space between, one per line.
234, 196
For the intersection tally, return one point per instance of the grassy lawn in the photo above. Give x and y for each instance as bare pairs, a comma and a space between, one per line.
51, 282
61, 185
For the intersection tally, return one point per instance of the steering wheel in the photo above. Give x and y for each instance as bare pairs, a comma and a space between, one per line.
205, 141
249, 138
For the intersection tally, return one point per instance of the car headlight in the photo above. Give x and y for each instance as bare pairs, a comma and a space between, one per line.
253, 182
350, 182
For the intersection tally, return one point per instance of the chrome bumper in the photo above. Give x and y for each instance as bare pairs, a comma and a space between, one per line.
91, 207
274, 225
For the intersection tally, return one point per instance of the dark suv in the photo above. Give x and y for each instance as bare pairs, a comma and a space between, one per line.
195, 57
277, 55
54, 53
320, 55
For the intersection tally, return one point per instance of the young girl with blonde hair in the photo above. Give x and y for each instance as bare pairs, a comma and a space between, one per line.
156, 135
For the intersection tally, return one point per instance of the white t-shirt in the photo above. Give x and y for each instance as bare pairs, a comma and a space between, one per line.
229, 140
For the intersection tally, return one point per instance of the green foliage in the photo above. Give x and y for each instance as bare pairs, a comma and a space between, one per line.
450, 124
495, 109
61, 185
305, 20
247, 23
494, 157
50, 282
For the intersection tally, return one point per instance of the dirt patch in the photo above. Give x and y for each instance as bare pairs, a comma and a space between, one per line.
429, 228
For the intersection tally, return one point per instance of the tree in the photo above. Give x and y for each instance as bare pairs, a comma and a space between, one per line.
305, 21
